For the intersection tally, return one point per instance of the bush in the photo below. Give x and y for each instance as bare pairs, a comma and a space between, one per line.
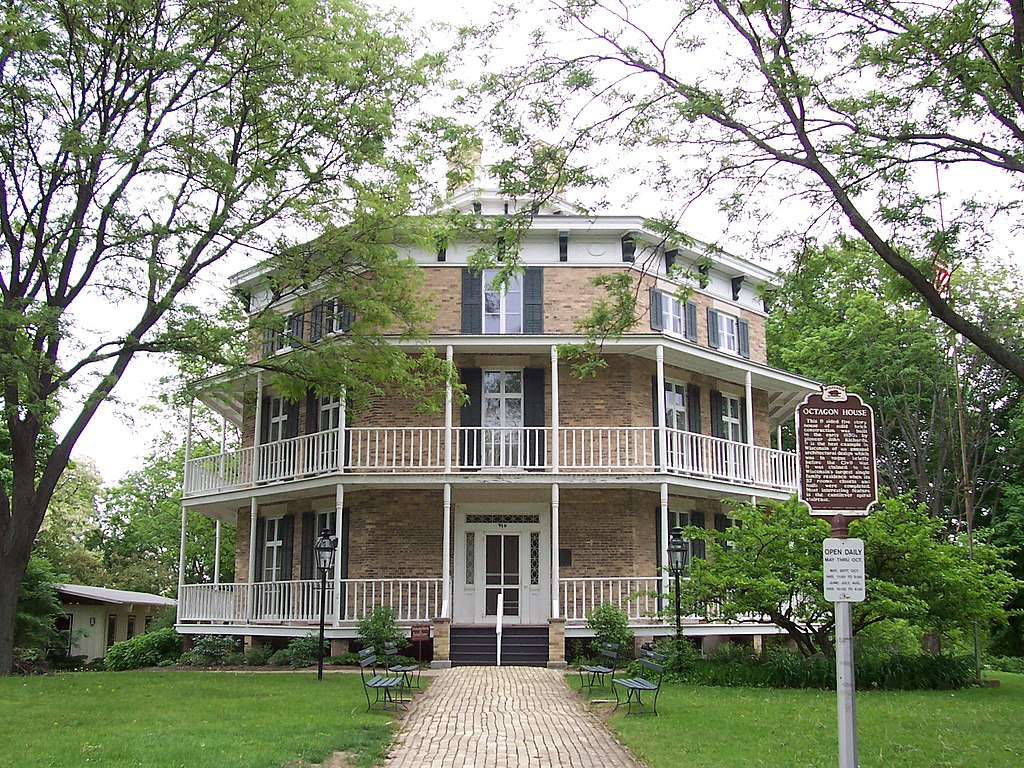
1007, 664
379, 628
345, 660
210, 650
303, 651
146, 650
611, 625
259, 656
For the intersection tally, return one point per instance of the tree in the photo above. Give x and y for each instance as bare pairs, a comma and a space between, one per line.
141, 143
769, 567
38, 607
843, 110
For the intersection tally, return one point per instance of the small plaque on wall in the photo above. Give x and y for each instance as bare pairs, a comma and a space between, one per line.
564, 557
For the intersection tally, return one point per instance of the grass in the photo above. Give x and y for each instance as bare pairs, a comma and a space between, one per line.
170, 719
701, 727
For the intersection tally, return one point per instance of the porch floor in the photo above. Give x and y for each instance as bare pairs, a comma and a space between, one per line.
501, 717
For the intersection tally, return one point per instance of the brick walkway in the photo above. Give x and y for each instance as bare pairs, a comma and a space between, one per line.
504, 717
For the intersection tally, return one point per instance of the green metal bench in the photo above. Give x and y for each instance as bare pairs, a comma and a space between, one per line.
593, 675
652, 663
403, 671
383, 686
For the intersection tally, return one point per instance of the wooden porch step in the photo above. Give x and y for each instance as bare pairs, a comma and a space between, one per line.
520, 646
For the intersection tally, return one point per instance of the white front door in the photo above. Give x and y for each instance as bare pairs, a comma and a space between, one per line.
502, 549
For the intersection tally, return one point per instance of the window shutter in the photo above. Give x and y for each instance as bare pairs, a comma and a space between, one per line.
345, 318
346, 516
717, 424
743, 337
261, 543
316, 321
312, 412
265, 418
743, 419
721, 523
693, 408
470, 416
657, 311
533, 415
691, 321
291, 427
295, 328
309, 534
658, 546
287, 541
472, 302
268, 342
533, 300
699, 545
713, 329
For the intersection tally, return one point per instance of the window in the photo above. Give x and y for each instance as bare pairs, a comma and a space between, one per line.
327, 520
675, 405
277, 424
273, 550
111, 629
131, 627
329, 412
670, 314
502, 417
732, 418
728, 333
503, 310
277, 341
683, 518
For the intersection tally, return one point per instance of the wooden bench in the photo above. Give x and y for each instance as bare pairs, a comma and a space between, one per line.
593, 675
652, 663
383, 686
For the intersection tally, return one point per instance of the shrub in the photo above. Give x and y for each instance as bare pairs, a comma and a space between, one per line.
278, 658
259, 656
345, 660
611, 625
303, 651
1007, 664
209, 650
379, 627
146, 650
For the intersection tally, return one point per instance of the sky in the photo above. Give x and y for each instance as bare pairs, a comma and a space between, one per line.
121, 434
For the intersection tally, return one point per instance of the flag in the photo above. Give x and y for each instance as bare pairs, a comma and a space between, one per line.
940, 276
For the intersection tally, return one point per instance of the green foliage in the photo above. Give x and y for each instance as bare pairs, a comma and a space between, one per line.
259, 656
38, 608
1013, 664
300, 652
150, 649
379, 627
209, 650
611, 625
770, 567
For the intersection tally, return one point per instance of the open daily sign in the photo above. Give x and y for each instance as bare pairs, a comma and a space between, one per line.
844, 570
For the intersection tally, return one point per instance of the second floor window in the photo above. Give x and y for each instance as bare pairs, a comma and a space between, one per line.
273, 550
277, 424
728, 333
503, 308
675, 405
330, 412
291, 335
673, 316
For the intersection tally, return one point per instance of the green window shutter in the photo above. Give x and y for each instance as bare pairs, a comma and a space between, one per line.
657, 311
743, 337
691, 321
713, 340
563, 246
261, 543
693, 407
743, 419
699, 545
533, 300
470, 415
472, 302
309, 535
533, 414
316, 321
291, 427
717, 424
287, 542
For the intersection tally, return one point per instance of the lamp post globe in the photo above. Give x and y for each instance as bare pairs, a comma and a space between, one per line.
323, 551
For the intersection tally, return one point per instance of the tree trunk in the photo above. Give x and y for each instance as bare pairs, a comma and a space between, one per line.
12, 570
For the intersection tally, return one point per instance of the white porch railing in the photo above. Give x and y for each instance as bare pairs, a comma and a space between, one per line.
414, 600
368, 450
637, 596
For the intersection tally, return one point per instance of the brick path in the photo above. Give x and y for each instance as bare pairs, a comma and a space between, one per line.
504, 717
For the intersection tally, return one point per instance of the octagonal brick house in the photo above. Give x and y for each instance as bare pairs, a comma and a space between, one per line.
556, 493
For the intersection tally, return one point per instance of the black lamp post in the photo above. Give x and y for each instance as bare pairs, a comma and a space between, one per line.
324, 549
678, 559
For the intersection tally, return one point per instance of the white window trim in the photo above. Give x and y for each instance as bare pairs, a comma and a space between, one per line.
728, 341
272, 550
682, 518
329, 411
732, 424
327, 518
278, 421
676, 387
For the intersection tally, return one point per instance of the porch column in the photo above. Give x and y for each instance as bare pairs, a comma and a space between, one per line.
750, 426
555, 607
223, 446
554, 411
778, 438
659, 408
340, 527
216, 555
663, 523
257, 433
446, 554
341, 441
450, 357
184, 510
250, 590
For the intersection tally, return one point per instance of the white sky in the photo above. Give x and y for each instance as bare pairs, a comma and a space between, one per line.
120, 435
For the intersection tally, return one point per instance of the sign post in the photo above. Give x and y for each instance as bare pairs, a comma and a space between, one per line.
836, 460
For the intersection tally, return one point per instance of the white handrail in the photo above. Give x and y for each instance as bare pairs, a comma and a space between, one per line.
497, 624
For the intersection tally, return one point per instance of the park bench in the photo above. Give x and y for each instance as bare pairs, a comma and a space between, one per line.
403, 671
383, 686
593, 675
652, 666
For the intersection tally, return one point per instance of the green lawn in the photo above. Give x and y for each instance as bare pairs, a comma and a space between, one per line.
194, 719
707, 727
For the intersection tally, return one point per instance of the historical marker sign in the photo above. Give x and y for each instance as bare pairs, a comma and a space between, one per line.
843, 561
836, 453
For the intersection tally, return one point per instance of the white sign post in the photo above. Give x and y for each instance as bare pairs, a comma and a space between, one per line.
836, 461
